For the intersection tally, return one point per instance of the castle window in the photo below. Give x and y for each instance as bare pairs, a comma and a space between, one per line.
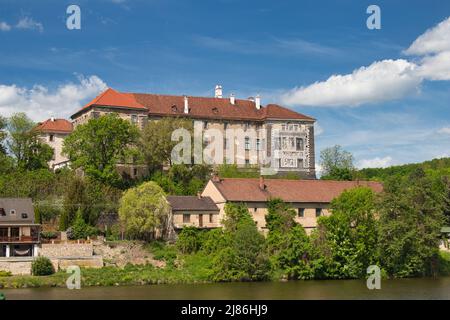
134, 119
211, 218
205, 125
51, 138
258, 144
2, 212
186, 218
95, 114
299, 163
247, 162
299, 144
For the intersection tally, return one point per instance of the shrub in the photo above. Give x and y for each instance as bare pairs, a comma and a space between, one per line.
49, 235
189, 240
42, 266
4, 273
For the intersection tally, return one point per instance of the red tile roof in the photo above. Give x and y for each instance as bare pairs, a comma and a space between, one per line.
112, 98
199, 107
55, 125
305, 191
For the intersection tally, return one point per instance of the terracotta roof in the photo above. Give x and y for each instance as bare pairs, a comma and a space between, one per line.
55, 125
199, 107
193, 203
112, 98
307, 191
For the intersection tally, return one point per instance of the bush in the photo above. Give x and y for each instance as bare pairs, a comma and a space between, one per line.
49, 235
42, 266
189, 240
5, 273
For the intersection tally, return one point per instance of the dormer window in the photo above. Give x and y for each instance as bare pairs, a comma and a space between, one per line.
215, 110
174, 108
12, 212
24, 215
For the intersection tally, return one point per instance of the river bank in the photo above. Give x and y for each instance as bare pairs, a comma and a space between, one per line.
185, 269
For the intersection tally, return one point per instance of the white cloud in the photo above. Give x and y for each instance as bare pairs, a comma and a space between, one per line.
30, 24
434, 40
382, 80
41, 103
375, 162
4, 26
445, 130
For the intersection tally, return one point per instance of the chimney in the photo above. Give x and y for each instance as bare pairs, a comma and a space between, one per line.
186, 105
218, 91
52, 119
232, 99
199, 195
262, 186
258, 102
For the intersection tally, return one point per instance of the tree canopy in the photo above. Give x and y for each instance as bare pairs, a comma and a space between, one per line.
144, 212
99, 145
336, 163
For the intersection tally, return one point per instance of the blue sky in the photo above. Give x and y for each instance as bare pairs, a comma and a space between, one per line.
396, 110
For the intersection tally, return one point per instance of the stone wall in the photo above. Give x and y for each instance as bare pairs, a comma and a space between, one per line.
16, 266
66, 250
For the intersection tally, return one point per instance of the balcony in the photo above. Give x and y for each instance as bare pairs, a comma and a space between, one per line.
19, 239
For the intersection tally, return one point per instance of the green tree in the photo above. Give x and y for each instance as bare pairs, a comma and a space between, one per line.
99, 145
3, 135
145, 212
347, 239
182, 179
411, 215
287, 242
90, 196
336, 163
236, 214
29, 152
242, 256
156, 140
80, 229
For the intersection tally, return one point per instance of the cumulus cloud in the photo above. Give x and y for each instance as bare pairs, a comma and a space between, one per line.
4, 26
382, 80
30, 24
41, 103
375, 162
433, 41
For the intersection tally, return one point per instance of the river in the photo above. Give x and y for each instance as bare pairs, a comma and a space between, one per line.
423, 288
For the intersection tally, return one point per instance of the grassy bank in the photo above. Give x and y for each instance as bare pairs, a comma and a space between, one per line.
194, 268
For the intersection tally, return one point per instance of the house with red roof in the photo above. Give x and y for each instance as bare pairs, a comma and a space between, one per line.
288, 137
53, 132
310, 198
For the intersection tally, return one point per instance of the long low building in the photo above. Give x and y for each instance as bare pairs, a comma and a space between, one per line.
310, 198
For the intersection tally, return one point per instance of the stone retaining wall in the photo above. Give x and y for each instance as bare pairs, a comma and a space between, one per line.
64, 250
